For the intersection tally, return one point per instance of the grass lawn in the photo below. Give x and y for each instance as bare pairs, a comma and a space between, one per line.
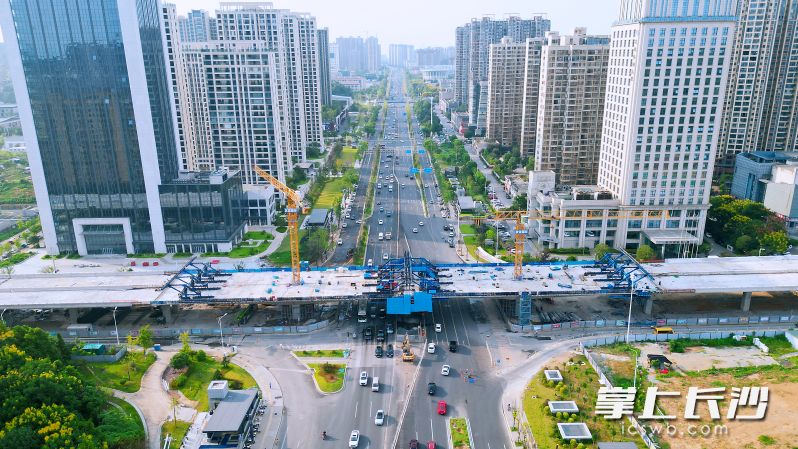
348, 156
122, 425
467, 229
282, 256
244, 250
177, 429
332, 193
329, 382
115, 375
581, 384
200, 374
459, 432
16, 185
471, 244
325, 353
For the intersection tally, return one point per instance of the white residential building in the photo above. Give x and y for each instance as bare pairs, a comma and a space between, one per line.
665, 90
761, 108
573, 80
505, 95
373, 54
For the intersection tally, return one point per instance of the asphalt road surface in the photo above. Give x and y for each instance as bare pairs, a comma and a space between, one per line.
471, 390
414, 226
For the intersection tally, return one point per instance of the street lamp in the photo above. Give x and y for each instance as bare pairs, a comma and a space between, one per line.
116, 329
760, 251
629, 318
221, 337
1, 316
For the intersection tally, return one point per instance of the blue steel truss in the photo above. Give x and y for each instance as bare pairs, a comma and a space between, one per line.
407, 274
194, 279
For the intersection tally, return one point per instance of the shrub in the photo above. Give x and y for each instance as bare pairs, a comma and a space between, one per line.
178, 382
180, 360
235, 384
329, 368
676, 345
217, 375
201, 356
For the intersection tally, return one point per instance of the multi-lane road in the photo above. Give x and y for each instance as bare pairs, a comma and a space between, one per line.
416, 221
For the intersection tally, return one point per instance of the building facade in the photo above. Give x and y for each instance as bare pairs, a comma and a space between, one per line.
665, 90
531, 93
351, 52
325, 87
573, 80
761, 109
433, 56
373, 55
400, 55
472, 44
197, 26
98, 120
505, 93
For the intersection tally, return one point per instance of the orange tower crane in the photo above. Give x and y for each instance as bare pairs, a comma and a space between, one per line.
292, 210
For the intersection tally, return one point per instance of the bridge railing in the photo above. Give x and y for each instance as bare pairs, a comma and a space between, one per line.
694, 321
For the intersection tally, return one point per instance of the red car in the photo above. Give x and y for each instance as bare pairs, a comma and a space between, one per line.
441, 407
431, 445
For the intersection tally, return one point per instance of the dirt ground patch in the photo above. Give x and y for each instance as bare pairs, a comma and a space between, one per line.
776, 431
703, 358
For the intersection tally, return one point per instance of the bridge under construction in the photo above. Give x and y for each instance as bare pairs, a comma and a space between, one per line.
202, 283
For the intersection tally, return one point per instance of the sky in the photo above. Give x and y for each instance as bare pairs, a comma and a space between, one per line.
431, 23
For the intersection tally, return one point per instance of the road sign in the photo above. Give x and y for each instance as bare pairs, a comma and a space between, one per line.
427, 169
522, 231
408, 151
421, 151
413, 170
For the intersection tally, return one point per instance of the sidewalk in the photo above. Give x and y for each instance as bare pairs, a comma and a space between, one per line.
152, 399
272, 398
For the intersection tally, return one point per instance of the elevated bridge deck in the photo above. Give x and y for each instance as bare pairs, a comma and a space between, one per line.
146, 286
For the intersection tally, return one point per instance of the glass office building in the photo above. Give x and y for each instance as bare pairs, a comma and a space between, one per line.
201, 212
97, 114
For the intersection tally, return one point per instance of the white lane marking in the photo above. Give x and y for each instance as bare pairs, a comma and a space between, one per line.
489, 353
465, 329
432, 431
371, 403
356, 403
454, 325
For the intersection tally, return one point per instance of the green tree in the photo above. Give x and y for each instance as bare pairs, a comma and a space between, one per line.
315, 244
645, 252
775, 242
519, 202
744, 243
50, 427
601, 250
146, 338
185, 339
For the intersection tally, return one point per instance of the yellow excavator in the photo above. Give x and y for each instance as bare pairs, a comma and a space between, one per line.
293, 208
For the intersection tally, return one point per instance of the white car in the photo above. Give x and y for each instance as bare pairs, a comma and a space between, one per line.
385, 256
445, 370
354, 439
438, 327
364, 378
343, 225
379, 418
421, 223
431, 348
415, 230
379, 222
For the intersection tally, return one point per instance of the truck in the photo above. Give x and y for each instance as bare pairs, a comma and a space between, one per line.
387, 236
362, 309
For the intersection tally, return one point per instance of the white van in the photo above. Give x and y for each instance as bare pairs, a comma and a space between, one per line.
375, 384
380, 236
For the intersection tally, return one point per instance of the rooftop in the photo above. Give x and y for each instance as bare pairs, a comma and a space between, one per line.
665, 236
231, 411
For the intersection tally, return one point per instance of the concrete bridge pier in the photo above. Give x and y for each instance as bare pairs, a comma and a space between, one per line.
166, 310
73, 315
648, 305
745, 303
